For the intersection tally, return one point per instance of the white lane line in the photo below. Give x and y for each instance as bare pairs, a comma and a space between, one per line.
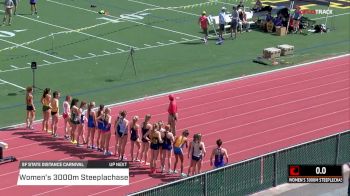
147, 45
92, 54
46, 61
13, 66
76, 56
7, 82
167, 8
38, 51
107, 52
76, 31
144, 24
120, 50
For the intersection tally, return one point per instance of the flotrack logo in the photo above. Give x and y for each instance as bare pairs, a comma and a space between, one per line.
321, 12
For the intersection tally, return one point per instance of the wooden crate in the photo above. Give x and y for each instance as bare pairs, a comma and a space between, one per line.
286, 49
269, 53
281, 31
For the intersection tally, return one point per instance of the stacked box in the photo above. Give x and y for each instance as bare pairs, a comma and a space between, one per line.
281, 31
286, 49
270, 53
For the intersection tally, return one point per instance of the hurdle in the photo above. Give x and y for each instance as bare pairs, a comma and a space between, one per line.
3, 160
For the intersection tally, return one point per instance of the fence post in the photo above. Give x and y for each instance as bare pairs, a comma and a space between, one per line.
337, 150
206, 184
275, 169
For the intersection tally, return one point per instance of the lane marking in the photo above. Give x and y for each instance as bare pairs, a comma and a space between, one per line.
13, 66
7, 82
46, 61
38, 51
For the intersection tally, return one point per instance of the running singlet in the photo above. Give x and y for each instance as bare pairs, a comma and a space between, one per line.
75, 118
106, 125
121, 128
91, 123
196, 151
166, 142
179, 141
46, 104
134, 136
54, 106
66, 109
219, 158
144, 131
154, 138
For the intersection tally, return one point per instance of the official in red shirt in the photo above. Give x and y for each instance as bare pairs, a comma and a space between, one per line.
203, 21
172, 117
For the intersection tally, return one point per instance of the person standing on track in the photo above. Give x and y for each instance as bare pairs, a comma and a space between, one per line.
91, 126
30, 108
46, 100
106, 133
172, 114
100, 126
8, 5
146, 127
135, 138
197, 153
219, 153
66, 117
180, 142
203, 22
168, 140
55, 113
121, 131
74, 119
156, 141
81, 125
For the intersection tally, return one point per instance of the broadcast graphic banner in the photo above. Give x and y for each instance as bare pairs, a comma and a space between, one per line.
73, 173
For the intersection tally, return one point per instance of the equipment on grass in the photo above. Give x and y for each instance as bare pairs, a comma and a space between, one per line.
286, 49
34, 67
131, 56
3, 160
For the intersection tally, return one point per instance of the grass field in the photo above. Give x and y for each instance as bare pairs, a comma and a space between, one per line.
83, 53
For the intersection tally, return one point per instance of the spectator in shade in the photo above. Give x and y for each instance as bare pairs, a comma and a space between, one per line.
278, 22
172, 114
244, 22
258, 6
218, 154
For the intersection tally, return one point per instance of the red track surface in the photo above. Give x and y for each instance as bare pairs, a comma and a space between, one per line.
253, 116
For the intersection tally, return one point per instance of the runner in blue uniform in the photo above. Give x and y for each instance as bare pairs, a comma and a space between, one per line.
91, 126
219, 153
100, 126
121, 125
168, 140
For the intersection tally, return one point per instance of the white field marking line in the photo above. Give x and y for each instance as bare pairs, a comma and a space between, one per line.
28, 63
76, 31
46, 61
144, 24
160, 43
238, 152
185, 39
214, 84
20, 87
101, 55
2, 83
92, 54
13, 66
172, 41
107, 52
52, 35
38, 51
76, 56
331, 16
241, 125
168, 8
147, 45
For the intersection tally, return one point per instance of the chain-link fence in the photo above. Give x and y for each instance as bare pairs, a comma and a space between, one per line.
259, 173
